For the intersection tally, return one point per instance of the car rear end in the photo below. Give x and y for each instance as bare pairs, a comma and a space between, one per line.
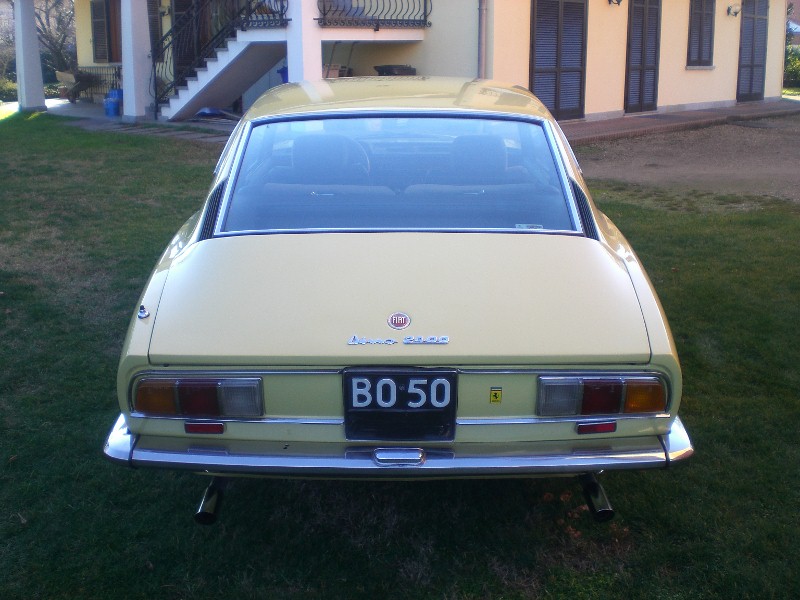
403, 293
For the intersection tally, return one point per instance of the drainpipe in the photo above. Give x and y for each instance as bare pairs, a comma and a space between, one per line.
482, 39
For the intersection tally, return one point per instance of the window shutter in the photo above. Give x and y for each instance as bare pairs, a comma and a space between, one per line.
154, 20
707, 46
572, 41
99, 30
546, 34
635, 55
546, 52
701, 33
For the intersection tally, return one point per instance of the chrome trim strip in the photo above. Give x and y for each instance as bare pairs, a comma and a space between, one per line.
205, 371
562, 168
304, 421
233, 175
310, 231
267, 420
612, 371
337, 460
469, 421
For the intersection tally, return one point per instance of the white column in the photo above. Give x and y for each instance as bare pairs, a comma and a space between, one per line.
303, 41
136, 62
30, 86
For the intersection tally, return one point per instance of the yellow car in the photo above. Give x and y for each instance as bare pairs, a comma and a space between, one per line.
399, 278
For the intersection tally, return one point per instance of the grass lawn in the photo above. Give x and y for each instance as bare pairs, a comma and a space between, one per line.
791, 91
84, 217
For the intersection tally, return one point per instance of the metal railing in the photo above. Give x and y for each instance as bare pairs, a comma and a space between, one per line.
97, 81
198, 32
374, 13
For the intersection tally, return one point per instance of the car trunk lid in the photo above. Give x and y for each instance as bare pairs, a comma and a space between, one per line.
326, 299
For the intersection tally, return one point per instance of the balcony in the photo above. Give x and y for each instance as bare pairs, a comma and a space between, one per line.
374, 14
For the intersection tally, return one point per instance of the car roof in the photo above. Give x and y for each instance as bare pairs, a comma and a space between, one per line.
369, 94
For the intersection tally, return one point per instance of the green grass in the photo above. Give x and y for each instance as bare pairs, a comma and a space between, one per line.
792, 91
85, 215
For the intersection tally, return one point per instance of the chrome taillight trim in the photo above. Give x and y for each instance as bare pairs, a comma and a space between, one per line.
460, 421
229, 375
175, 379
624, 377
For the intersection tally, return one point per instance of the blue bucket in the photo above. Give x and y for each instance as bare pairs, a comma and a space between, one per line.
284, 73
112, 107
115, 93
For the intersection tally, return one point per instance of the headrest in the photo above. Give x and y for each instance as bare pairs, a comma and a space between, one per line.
320, 152
479, 158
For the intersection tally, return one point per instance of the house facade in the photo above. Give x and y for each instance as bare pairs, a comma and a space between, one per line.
584, 58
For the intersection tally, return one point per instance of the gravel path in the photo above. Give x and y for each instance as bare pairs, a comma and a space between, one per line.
750, 158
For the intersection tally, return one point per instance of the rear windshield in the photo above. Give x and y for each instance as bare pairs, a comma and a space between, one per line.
390, 173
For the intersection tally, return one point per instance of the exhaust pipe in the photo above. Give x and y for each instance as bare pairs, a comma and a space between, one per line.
596, 498
212, 499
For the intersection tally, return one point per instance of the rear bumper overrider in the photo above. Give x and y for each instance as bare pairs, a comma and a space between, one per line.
343, 460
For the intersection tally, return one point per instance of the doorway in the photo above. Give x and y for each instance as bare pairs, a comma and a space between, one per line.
641, 75
752, 50
558, 55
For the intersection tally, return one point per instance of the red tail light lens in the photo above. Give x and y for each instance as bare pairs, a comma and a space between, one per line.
601, 396
198, 398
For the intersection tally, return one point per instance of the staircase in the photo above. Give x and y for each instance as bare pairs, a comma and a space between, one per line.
214, 50
217, 49
221, 81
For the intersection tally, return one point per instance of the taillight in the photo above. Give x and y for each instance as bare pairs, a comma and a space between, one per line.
642, 396
233, 397
600, 395
198, 398
155, 397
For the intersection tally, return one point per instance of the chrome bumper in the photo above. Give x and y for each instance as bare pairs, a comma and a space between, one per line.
325, 460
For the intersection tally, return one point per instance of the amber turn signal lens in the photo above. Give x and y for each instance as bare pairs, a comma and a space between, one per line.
645, 396
156, 398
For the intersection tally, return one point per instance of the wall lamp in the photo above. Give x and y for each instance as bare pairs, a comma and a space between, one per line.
617, 2
734, 10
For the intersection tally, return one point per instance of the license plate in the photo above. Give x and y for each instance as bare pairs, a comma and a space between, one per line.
400, 404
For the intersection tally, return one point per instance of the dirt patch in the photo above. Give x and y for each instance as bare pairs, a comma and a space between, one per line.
753, 158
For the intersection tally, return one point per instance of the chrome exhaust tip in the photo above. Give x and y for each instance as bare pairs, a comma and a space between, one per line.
596, 498
212, 499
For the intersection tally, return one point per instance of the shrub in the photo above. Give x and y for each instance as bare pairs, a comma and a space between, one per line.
8, 91
51, 90
791, 70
